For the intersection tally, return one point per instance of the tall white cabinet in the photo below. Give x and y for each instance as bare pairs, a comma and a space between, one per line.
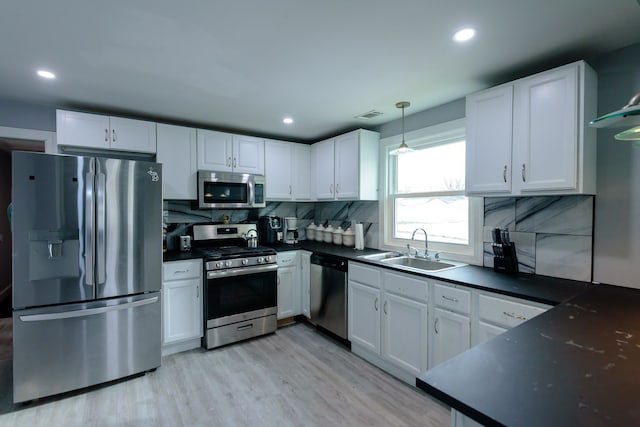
178, 155
531, 136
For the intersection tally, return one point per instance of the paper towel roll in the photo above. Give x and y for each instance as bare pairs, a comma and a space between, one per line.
359, 236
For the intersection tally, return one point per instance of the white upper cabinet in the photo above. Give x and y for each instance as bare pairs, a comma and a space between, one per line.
322, 154
489, 129
74, 129
286, 168
545, 130
531, 136
224, 152
346, 167
177, 153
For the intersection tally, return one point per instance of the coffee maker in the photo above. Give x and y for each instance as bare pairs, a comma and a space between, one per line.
291, 230
270, 229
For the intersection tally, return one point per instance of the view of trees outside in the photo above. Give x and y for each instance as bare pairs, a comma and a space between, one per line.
438, 168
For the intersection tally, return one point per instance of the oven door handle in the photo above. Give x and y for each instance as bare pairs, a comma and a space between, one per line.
242, 271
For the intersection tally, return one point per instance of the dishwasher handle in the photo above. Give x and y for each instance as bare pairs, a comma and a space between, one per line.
330, 261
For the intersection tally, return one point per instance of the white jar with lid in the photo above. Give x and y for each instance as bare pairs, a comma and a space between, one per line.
328, 234
349, 237
311, 231
337, 236
319, 233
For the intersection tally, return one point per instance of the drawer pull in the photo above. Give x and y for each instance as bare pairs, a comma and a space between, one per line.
180, 271
450, 299
514, 316
245, 327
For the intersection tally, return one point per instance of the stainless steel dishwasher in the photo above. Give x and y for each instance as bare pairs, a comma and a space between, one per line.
329, 293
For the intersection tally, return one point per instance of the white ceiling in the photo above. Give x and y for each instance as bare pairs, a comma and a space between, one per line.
244, 65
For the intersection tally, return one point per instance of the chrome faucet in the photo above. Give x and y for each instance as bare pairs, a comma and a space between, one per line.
426, 243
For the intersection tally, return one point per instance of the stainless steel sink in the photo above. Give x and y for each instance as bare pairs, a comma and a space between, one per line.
381, 256
419, 263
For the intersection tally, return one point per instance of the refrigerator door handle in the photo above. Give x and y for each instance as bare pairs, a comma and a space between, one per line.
86, 312
89, 228
101, 219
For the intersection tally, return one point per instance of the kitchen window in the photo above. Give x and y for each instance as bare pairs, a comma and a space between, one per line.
424, 188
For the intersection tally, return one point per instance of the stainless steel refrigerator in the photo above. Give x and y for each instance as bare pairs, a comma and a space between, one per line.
87, 260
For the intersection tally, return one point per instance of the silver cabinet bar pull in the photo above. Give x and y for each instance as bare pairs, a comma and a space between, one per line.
87, 312
375, 304
435, 325
504, 173
384, 308
523, 173
106, 135
113, 131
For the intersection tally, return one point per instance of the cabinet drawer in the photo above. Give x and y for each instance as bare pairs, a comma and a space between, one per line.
174, 270
407, 286
364, 274
287, 259
452, 298
504, 312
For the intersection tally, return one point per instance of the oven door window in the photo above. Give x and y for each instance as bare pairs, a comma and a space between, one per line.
231, 295
225, 192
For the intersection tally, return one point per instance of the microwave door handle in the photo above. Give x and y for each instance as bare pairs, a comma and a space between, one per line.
89, 228
101, 217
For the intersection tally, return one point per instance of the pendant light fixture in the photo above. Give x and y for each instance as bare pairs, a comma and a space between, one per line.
627, 116
403, 148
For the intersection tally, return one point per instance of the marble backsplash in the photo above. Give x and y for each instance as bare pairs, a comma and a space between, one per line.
179, 215
553, 235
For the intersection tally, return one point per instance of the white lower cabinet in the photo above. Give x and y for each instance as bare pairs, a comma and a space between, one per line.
364, 316
498, 313
404, 331
289, 303
388, 319
451, 335
451, 323
487, 331
181, 305
405, 323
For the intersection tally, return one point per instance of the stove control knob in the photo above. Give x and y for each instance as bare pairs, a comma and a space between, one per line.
260, 260
267, 259
227, 263
218, 265
245, 261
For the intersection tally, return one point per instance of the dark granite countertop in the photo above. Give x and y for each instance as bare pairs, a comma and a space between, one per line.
576, 364
543, 289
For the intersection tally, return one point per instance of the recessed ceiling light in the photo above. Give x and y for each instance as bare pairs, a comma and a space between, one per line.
46, 74
287, 120
464, 35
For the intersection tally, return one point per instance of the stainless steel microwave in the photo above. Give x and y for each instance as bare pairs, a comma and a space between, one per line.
227, 190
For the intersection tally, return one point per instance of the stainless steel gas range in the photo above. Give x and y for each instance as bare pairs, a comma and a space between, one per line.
240, 289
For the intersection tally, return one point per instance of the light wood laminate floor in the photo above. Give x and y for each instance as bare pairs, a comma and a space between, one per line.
295, 377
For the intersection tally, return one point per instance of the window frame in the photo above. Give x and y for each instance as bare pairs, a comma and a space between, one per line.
442, 133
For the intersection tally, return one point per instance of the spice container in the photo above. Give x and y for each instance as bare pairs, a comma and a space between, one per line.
311, 231
320, 233
328, 234
349, 238
337, 236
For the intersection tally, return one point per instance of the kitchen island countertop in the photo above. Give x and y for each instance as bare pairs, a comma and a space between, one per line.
576, 364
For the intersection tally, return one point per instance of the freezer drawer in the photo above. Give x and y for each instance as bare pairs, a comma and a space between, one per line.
71, 346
